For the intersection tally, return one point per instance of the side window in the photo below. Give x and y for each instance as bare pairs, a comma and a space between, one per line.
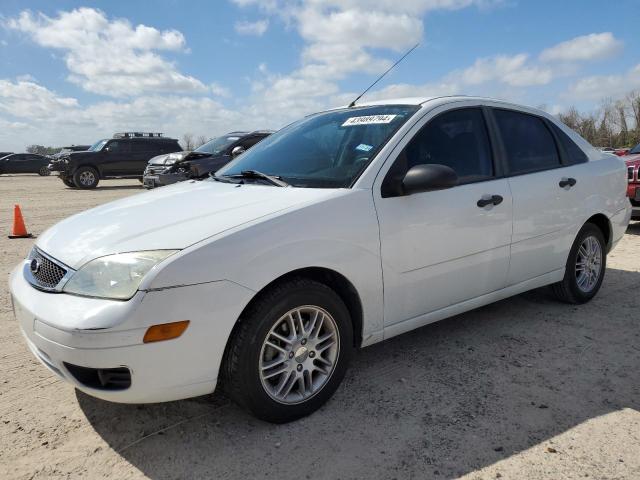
574, 152
528, 142
139, 147
119, 147
457, 139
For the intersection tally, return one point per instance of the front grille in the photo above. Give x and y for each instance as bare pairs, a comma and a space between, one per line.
44, 272
101, 378
630, 173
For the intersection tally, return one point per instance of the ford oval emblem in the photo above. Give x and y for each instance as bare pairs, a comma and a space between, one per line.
34, 266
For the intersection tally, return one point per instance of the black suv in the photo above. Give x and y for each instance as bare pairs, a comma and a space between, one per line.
123, 156
199, 163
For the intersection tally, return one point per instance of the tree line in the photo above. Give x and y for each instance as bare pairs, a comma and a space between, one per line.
615, 124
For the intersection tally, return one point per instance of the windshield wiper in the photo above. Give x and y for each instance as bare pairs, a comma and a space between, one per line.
262, 176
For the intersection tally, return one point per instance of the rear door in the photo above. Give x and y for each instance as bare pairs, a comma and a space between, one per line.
547, 187
141, 152
443, 247
35, 162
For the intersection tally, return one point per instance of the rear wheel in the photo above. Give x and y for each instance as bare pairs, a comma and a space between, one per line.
86, 178
44, 172
290, 351
585, 267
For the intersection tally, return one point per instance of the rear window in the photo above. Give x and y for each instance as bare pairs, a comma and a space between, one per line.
529, 145
573, 151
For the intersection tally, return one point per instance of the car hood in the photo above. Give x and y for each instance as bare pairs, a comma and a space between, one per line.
172, 217
631, 159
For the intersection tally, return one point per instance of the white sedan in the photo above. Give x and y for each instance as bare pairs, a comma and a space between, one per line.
341, 230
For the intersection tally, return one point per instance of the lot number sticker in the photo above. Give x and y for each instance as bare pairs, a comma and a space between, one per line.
368, 120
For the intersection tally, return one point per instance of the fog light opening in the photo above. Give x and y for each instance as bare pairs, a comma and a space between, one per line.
165, 331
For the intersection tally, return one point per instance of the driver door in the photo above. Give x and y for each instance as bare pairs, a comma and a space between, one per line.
440, 248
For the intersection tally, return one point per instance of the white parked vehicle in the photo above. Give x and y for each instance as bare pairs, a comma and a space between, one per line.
341, 230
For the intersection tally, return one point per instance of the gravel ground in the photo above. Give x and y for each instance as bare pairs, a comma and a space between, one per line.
526, 388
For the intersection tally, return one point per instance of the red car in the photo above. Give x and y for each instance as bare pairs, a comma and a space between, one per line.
621, 152
632, 159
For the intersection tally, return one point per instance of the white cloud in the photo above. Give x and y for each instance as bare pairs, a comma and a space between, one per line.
601, 86
24, 98
257, 28
512, 70
110, 57
219, 90
596, 46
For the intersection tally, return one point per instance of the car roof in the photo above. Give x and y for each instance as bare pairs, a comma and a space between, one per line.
444, 99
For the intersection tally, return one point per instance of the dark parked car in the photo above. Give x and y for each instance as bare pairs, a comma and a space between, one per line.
199, 163
123, 156
24, 163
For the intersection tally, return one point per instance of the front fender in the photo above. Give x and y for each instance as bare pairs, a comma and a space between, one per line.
339, 234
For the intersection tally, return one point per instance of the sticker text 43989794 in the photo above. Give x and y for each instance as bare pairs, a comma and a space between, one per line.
368, 120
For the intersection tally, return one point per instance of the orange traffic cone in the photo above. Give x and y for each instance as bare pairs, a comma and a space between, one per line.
19, 230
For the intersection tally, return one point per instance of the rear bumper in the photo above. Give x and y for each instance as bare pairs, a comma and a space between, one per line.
111, 335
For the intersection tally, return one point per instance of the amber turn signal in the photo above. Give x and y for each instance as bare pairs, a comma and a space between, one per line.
165, 331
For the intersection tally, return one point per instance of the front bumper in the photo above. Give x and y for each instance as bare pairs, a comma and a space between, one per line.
65, 329
57, 167
162, 179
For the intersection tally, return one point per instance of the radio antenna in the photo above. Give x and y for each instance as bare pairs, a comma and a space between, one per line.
353, 104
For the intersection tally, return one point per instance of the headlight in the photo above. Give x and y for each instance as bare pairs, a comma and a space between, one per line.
115, 276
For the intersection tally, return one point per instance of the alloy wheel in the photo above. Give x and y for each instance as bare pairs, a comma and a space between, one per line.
87, 178
299, 354
588, 264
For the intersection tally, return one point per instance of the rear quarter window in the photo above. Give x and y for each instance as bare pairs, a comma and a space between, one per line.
574, 153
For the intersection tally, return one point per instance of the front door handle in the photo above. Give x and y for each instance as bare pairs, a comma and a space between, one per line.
567, 182
492, 200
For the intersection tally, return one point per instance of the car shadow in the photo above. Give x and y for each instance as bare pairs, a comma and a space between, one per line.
120, 187
443, 400
633, 228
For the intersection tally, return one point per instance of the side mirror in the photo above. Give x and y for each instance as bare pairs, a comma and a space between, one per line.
106, 149
237, 151
428, 177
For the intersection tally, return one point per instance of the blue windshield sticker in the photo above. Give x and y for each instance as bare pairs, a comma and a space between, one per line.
364, 147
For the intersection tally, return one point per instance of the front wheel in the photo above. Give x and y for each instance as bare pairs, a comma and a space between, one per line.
290, 351
68, 182
86, 178
44, 172
585, 267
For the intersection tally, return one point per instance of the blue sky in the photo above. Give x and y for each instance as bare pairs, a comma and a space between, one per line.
73, 72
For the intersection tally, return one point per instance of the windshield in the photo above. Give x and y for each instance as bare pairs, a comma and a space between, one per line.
217, 145
327, 150
635, 149
96, 147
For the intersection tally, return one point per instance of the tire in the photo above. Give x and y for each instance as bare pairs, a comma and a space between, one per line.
68, 182
44, 172
86, 178
245, 368
574, 288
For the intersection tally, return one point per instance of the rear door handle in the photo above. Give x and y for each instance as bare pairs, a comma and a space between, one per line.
492, 200
567, 182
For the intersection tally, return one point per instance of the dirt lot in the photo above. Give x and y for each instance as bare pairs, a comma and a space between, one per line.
527, 388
